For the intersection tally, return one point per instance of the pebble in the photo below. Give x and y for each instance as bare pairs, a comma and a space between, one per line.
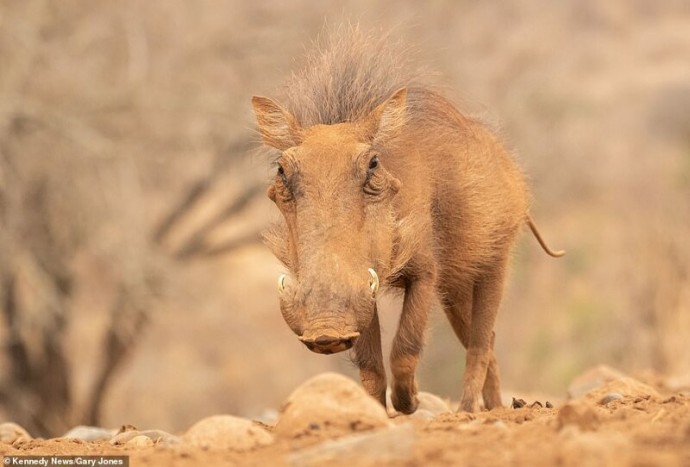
226, 432
610, 397
623, 387
158, 437
432, 403
140, 441
11, 432
518, 403
422, 414
162, 438
602, 383
89, 433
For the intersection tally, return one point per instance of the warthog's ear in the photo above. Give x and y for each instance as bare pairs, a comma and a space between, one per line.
277, 126
388, 119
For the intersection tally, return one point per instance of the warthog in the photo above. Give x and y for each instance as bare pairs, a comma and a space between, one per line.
382, 182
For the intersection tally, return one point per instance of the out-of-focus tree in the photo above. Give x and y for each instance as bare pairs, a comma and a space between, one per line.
72, 215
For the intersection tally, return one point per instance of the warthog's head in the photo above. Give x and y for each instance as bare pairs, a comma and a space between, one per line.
341, 235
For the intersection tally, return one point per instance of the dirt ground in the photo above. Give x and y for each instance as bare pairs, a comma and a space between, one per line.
620, 422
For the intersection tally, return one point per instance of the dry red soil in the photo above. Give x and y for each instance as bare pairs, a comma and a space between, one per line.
615, 424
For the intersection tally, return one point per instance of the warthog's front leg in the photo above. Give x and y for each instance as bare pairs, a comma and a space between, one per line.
409, 340
367, 355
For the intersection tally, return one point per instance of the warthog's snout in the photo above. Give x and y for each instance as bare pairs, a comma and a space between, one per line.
327, 344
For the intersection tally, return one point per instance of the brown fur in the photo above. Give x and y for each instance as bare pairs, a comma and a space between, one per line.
437, 216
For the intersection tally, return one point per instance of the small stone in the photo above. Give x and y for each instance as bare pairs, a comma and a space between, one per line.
126, 428
226, 432
268, 417
518, 403
156, 436
595, 384
422, 414
610, 397
122, 437
160, 437
432, 403
89, 433
549, 405
625, 387
140, 441
11, 432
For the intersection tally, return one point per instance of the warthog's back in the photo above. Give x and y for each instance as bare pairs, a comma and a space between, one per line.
455, 168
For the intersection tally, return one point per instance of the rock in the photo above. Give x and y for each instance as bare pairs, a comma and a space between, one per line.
432, 403
387, 445
11, 432
679, 384
623, 387
160, 437
89, 433
592, 379
123, 437
268, 417
329, 404
125, 428
156, 436
422, 414
579, 414
226, 432
140, 441
518, 403
610, 397
604, 383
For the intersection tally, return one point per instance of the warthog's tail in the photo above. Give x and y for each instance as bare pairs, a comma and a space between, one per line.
537, 235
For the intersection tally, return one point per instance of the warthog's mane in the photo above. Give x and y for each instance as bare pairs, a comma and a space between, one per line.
348, 73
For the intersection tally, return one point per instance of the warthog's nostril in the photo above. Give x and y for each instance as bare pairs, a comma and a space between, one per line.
330, 344
326, 340
310, 345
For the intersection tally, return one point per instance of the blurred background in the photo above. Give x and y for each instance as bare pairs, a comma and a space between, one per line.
134, 287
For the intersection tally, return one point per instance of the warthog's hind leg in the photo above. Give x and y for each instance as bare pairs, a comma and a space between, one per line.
481, 370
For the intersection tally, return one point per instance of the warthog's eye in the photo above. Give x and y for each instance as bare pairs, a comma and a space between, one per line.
283, 186
282, 175
373, 185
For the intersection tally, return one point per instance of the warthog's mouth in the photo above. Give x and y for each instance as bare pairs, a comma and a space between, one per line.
326, 344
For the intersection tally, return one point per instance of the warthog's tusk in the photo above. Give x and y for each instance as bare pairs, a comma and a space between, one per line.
281, 283
373, 282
